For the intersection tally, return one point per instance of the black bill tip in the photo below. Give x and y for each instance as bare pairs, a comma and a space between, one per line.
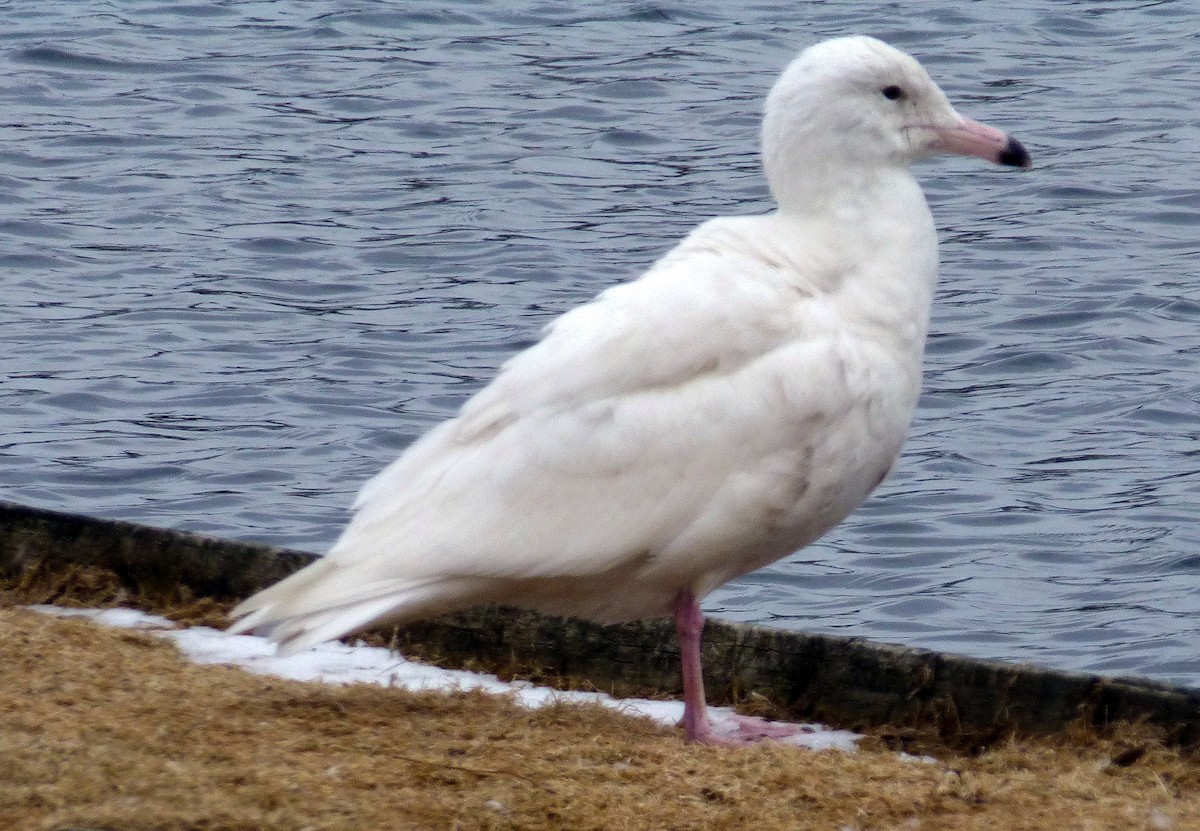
1014, 154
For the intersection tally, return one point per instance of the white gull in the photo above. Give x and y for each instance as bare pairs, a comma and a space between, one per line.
722, 411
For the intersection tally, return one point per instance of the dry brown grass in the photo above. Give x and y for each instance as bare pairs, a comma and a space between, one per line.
110, 729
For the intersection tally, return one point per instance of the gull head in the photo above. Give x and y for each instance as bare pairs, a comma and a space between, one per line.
854, 104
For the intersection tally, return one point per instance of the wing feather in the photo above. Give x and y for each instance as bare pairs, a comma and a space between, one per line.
666, 427
658, 391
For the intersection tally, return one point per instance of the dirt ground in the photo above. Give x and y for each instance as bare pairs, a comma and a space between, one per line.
111, 729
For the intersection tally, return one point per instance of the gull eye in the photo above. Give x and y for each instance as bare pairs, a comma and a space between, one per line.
893, 92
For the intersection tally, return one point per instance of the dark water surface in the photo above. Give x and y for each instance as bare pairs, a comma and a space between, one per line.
250, 250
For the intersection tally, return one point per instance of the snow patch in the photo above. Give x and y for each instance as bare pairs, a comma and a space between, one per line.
339, 663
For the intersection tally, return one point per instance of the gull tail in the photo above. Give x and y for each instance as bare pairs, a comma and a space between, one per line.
325, 601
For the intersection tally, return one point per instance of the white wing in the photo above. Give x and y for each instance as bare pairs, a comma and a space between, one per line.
669, 426
611, 435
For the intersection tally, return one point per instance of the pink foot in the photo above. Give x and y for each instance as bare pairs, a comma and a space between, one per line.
747, 730
734, 731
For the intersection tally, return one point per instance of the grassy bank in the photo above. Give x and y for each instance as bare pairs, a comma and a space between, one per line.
112, 729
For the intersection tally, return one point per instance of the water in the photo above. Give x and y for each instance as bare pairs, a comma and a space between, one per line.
251, 250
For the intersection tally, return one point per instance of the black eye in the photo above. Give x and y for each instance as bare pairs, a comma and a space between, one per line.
892, 93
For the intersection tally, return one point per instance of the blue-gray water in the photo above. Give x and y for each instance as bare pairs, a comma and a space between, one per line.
250, 250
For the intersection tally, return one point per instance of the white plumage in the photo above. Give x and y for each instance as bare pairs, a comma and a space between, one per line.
722, 411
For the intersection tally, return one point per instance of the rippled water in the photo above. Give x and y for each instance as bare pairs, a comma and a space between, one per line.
250, 250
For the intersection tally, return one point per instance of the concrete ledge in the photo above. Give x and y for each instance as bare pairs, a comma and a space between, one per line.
843, 681
151, 559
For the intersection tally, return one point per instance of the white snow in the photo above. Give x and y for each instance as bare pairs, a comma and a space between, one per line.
339, 663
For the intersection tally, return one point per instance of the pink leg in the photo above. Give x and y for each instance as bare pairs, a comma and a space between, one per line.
689, 626
746, 730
